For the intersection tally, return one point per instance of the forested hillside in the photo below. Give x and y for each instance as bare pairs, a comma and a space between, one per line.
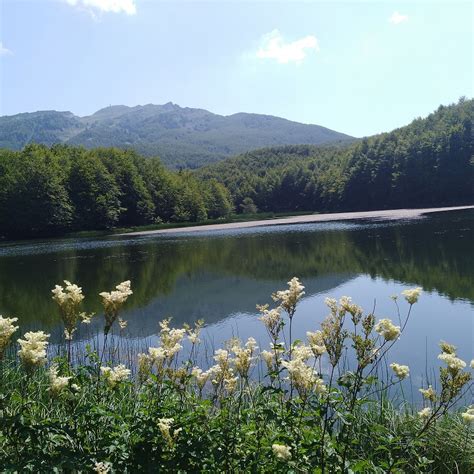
47, 191
429, 162
181, 136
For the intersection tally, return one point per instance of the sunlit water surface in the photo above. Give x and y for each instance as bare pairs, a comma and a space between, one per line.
221, 276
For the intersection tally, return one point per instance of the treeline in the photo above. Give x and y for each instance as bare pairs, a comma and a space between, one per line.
48, 191
429, 162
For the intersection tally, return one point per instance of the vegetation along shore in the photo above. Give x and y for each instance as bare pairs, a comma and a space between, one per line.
294, 405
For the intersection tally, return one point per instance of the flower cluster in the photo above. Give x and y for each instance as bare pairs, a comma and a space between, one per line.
401, 371
68, 299
57, 383
272, 320
387, 329
302, 376
102, 467
165, 428
7, 328
115, 375
113, 302
32, 351
468, 415
429, 393
281, 451
425, 413
412, 294
243, 356
289, 298
316, 342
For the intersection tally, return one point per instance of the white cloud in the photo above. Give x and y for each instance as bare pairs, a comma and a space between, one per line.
107, 6
273, 46
4, 51
397, 18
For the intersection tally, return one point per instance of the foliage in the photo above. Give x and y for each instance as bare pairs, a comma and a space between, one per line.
310, 410
429, 162
48, 191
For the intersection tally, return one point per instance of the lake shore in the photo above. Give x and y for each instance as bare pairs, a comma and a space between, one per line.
393, 214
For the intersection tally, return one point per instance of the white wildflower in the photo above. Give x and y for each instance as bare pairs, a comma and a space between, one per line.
289, 298
401, 371
281, 451
387, 329
115, 375
425, 413
428, 393
7, 328
316, 342
453, 362
32, 351
412, 294
58, 384
468, 415
102, 467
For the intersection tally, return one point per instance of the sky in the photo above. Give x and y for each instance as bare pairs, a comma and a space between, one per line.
356, 67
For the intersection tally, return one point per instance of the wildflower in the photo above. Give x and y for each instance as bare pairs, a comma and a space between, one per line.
289, 298
144, 366
115, 375
68, 299
429, 393
170, 339
200, 376
193, 335
355, 310
165, 427
425, 413
300, 351
230, 383
412, 294
122, 323
468, 416
113, 302
7, 329
401, 371
102, 467
472, 364
221, 356
316, 342
271, 319
32, 351
58, 384
86, 318
268, 356
244, 355
447, 348
331, 303
387, 329
453, 362
303, 377
281, 451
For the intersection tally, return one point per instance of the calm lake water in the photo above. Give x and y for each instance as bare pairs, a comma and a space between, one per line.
221, 276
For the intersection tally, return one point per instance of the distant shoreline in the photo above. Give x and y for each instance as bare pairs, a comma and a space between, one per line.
393, 214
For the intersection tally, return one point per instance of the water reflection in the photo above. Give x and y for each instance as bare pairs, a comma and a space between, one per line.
219, 276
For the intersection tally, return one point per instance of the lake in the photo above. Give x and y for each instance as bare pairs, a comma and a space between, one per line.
220, 276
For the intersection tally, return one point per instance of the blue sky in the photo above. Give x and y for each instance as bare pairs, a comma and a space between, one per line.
356, 67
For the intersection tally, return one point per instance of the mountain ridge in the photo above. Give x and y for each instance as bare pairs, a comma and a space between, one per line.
181, 136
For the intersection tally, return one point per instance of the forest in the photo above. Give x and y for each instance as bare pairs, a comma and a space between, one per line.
59, 189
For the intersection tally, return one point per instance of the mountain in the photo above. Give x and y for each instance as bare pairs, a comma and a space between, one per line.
181, 136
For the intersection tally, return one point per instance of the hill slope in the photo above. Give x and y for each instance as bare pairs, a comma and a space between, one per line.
428, 162
180, 136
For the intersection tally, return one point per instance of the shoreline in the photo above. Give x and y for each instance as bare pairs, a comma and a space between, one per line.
393, 214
